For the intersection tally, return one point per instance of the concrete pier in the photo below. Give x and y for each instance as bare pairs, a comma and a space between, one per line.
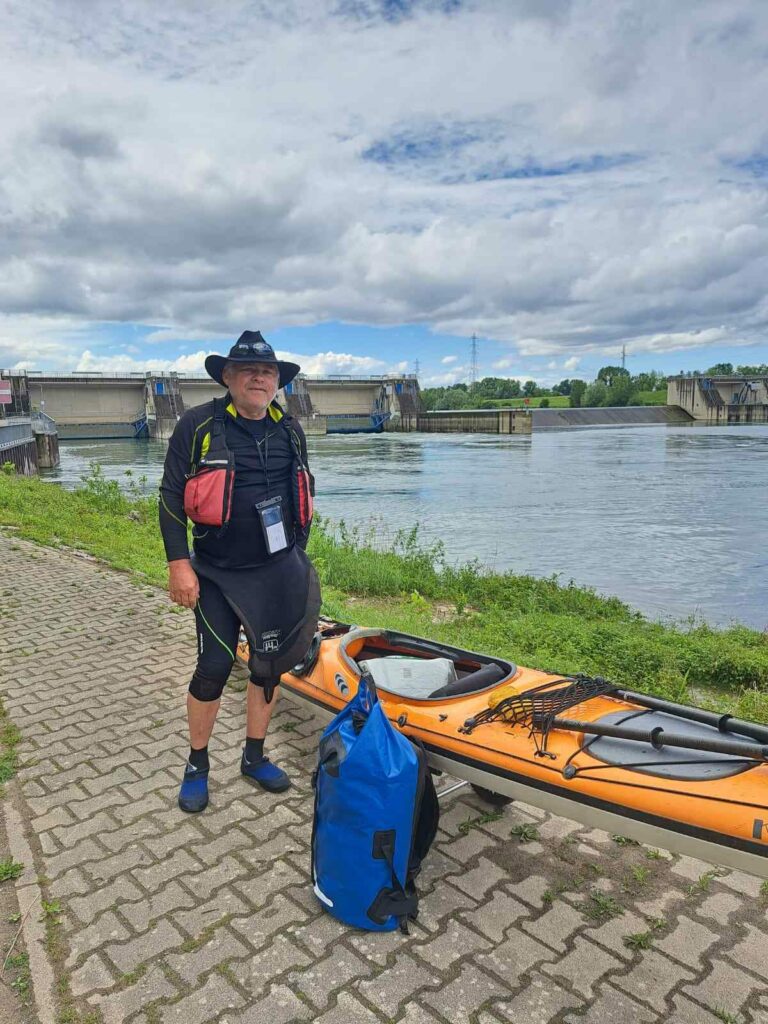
725, 399
467, 421
17, 445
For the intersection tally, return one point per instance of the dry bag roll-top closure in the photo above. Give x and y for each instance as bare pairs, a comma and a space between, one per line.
210, 486
376, 815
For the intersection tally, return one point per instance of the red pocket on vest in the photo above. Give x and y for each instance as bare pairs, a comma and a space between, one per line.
302, 493
208, 495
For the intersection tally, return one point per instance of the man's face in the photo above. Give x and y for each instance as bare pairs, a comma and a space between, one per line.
251, 384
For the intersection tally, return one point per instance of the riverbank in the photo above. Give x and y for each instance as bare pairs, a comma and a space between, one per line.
536, 622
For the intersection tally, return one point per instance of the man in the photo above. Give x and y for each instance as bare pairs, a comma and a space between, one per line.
248, 567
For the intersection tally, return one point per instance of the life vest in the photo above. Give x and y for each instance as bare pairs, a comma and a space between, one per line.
211, 480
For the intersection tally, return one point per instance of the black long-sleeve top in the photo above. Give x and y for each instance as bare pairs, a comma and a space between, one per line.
264, 457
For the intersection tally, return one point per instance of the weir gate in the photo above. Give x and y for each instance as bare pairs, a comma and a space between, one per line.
119, 405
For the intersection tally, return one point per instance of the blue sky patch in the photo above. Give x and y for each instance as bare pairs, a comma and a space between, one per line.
429, 143
756, 165
532, 169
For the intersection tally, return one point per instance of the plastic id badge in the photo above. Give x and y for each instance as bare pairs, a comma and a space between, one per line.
271, 515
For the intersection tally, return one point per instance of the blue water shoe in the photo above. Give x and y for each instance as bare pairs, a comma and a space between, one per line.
265, 774
193, 795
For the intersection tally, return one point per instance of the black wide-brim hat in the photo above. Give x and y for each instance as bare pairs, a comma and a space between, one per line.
250, 347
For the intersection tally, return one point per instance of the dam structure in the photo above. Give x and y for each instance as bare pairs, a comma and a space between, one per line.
730, 398
125, 405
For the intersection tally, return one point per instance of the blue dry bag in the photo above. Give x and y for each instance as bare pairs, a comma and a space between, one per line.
376, 815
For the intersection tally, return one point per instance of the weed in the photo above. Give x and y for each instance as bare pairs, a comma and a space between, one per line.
525, 832
549, 896
656, 923
226, 972
638, 940
9, 869
724, 1015
640, 874
654, 854
602, 907
51, 909
289, 726
483, 819
14, 918
624, 841
702, 884
764, 891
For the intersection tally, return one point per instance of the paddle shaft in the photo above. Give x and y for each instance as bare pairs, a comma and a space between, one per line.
725, 723
659, 738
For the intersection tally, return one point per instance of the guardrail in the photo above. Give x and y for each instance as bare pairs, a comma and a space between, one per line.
42, 423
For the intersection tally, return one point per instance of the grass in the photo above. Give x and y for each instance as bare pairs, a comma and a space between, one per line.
9, 739
545, 623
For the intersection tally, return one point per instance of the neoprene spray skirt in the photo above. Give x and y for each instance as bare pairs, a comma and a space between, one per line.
278, 604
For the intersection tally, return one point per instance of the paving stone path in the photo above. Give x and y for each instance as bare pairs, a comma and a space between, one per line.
165, 918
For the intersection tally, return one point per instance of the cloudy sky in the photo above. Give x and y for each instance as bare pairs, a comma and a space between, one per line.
369, 182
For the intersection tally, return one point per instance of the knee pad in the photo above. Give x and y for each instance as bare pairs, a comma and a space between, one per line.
206, 687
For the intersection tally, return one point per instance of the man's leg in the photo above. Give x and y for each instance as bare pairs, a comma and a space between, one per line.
258, 712
254, 765
217, 631
201, 714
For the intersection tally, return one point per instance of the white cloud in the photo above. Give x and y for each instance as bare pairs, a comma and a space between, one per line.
90, 361
572, 363
568, 183
447, 360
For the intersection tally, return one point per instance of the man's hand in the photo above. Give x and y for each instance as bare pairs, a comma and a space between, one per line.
183, 585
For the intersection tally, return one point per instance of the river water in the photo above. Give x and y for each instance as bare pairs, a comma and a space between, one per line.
674, 520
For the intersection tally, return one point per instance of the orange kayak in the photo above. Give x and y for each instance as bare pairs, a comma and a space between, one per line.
664, 774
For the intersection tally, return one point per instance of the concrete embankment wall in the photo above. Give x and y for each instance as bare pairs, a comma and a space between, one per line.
466, 421
17, 445
626, 416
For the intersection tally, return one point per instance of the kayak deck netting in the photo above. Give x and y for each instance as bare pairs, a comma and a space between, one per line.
706, 803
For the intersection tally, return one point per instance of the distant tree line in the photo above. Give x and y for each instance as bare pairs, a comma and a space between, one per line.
613, 386
727, 370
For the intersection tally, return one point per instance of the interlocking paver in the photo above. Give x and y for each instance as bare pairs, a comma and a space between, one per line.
322, 977
204, 1004
260, 927
461, 998
222, 946
496, 915
169, 918
752, 952
398, 984
281, 1006
688, 942
127, 956
583, 967
270, 962
539, 1002
449, 945
653, 979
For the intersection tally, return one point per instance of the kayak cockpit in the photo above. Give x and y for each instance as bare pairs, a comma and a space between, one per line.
418, 669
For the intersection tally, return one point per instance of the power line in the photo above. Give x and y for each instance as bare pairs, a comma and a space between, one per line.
416, 367
473, 360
